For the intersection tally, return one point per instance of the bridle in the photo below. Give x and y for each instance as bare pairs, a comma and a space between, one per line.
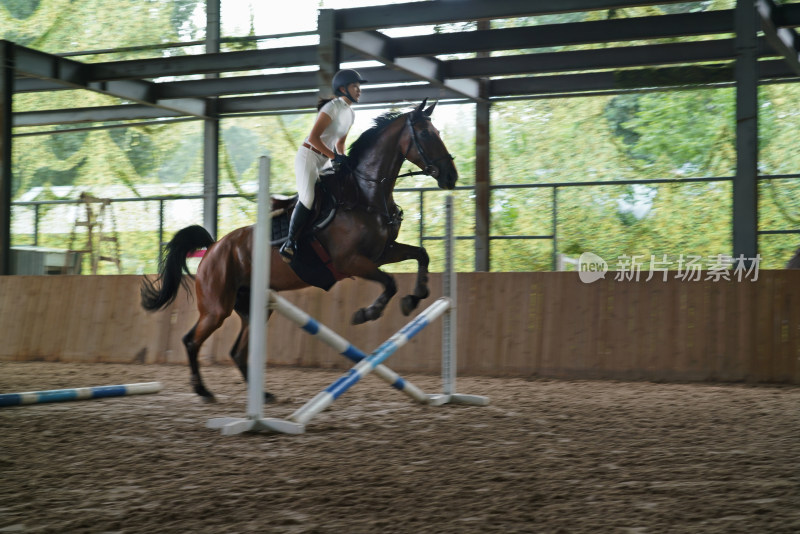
394, 218
430, 168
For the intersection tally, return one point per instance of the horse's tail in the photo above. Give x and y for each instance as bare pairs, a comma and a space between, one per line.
172, 264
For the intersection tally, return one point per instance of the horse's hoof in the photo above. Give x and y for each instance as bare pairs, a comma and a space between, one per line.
269, 398
408, 304
359, 317
205, 395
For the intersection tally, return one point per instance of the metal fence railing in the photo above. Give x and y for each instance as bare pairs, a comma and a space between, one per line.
427, 230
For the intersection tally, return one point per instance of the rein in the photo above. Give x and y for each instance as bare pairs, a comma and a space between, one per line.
394, 219
430, 169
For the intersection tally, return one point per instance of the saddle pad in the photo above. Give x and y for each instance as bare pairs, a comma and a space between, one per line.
309, 267
280, 228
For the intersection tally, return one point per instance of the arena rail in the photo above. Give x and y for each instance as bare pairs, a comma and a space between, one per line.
263, 297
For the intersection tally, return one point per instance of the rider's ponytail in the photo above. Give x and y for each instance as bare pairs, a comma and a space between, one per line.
322, 102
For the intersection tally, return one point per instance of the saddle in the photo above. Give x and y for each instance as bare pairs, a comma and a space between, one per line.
330, 194
312, 263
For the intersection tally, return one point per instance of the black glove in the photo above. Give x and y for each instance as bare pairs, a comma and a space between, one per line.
338, 161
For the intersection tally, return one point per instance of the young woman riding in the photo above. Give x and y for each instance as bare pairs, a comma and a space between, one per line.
324, 144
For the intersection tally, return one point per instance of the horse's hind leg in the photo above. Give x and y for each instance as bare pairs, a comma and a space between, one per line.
193, 340
397, 252
239, 351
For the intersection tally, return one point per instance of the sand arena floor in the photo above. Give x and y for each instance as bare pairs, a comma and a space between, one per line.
545, 456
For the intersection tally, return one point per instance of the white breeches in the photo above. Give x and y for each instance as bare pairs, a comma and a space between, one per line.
307, 166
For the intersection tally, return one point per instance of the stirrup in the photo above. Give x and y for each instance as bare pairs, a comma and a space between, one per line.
288, 250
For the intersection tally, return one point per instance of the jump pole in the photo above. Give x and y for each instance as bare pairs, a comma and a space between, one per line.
444, 306
327, 397
257, 349
449, 331
62, 395
342, 346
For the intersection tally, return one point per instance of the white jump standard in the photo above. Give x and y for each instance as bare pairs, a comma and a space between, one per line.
449, 337
257, 349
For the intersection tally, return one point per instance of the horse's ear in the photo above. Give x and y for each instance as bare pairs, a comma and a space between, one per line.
422, 105
430, 109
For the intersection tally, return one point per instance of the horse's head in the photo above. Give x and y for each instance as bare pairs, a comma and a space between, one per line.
424, 148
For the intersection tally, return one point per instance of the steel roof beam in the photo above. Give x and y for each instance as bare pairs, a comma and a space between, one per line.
787, 15
227, 106
606, 58
696, 76
532, 86
76, 75
389, 95
268, 83
572, 33
206, 63
661, 26
544, 62
239, 85
379, 47
24, 84
294, 81
93, 114
784, 41
448, 11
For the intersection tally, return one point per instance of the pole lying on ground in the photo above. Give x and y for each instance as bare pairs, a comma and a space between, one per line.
62, 395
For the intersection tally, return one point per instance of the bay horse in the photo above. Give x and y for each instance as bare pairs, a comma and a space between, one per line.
360, 239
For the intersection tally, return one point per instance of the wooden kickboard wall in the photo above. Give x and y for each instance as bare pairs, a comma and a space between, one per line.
509, 324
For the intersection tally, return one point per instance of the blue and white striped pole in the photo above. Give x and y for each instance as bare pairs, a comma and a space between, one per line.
342, 346
368, 364
62, 395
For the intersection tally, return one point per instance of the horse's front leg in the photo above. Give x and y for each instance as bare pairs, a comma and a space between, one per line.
397, 252
363, 267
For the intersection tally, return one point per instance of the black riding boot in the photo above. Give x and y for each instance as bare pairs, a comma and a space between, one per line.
300, 216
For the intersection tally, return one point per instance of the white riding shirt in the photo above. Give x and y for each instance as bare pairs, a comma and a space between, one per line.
342, 117
307, 163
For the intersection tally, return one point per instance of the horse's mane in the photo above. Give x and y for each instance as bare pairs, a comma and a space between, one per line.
368, 138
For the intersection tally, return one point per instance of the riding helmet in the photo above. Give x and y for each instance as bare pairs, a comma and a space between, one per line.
345, 77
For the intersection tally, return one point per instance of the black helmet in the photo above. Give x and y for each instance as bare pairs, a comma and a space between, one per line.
343, 78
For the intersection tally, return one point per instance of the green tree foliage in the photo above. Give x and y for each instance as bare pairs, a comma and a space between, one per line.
665, 136
131, 156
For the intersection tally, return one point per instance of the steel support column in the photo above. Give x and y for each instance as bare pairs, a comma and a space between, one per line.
211, 129
482, 183
6, 97
745, 183
482, 172
328, 51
